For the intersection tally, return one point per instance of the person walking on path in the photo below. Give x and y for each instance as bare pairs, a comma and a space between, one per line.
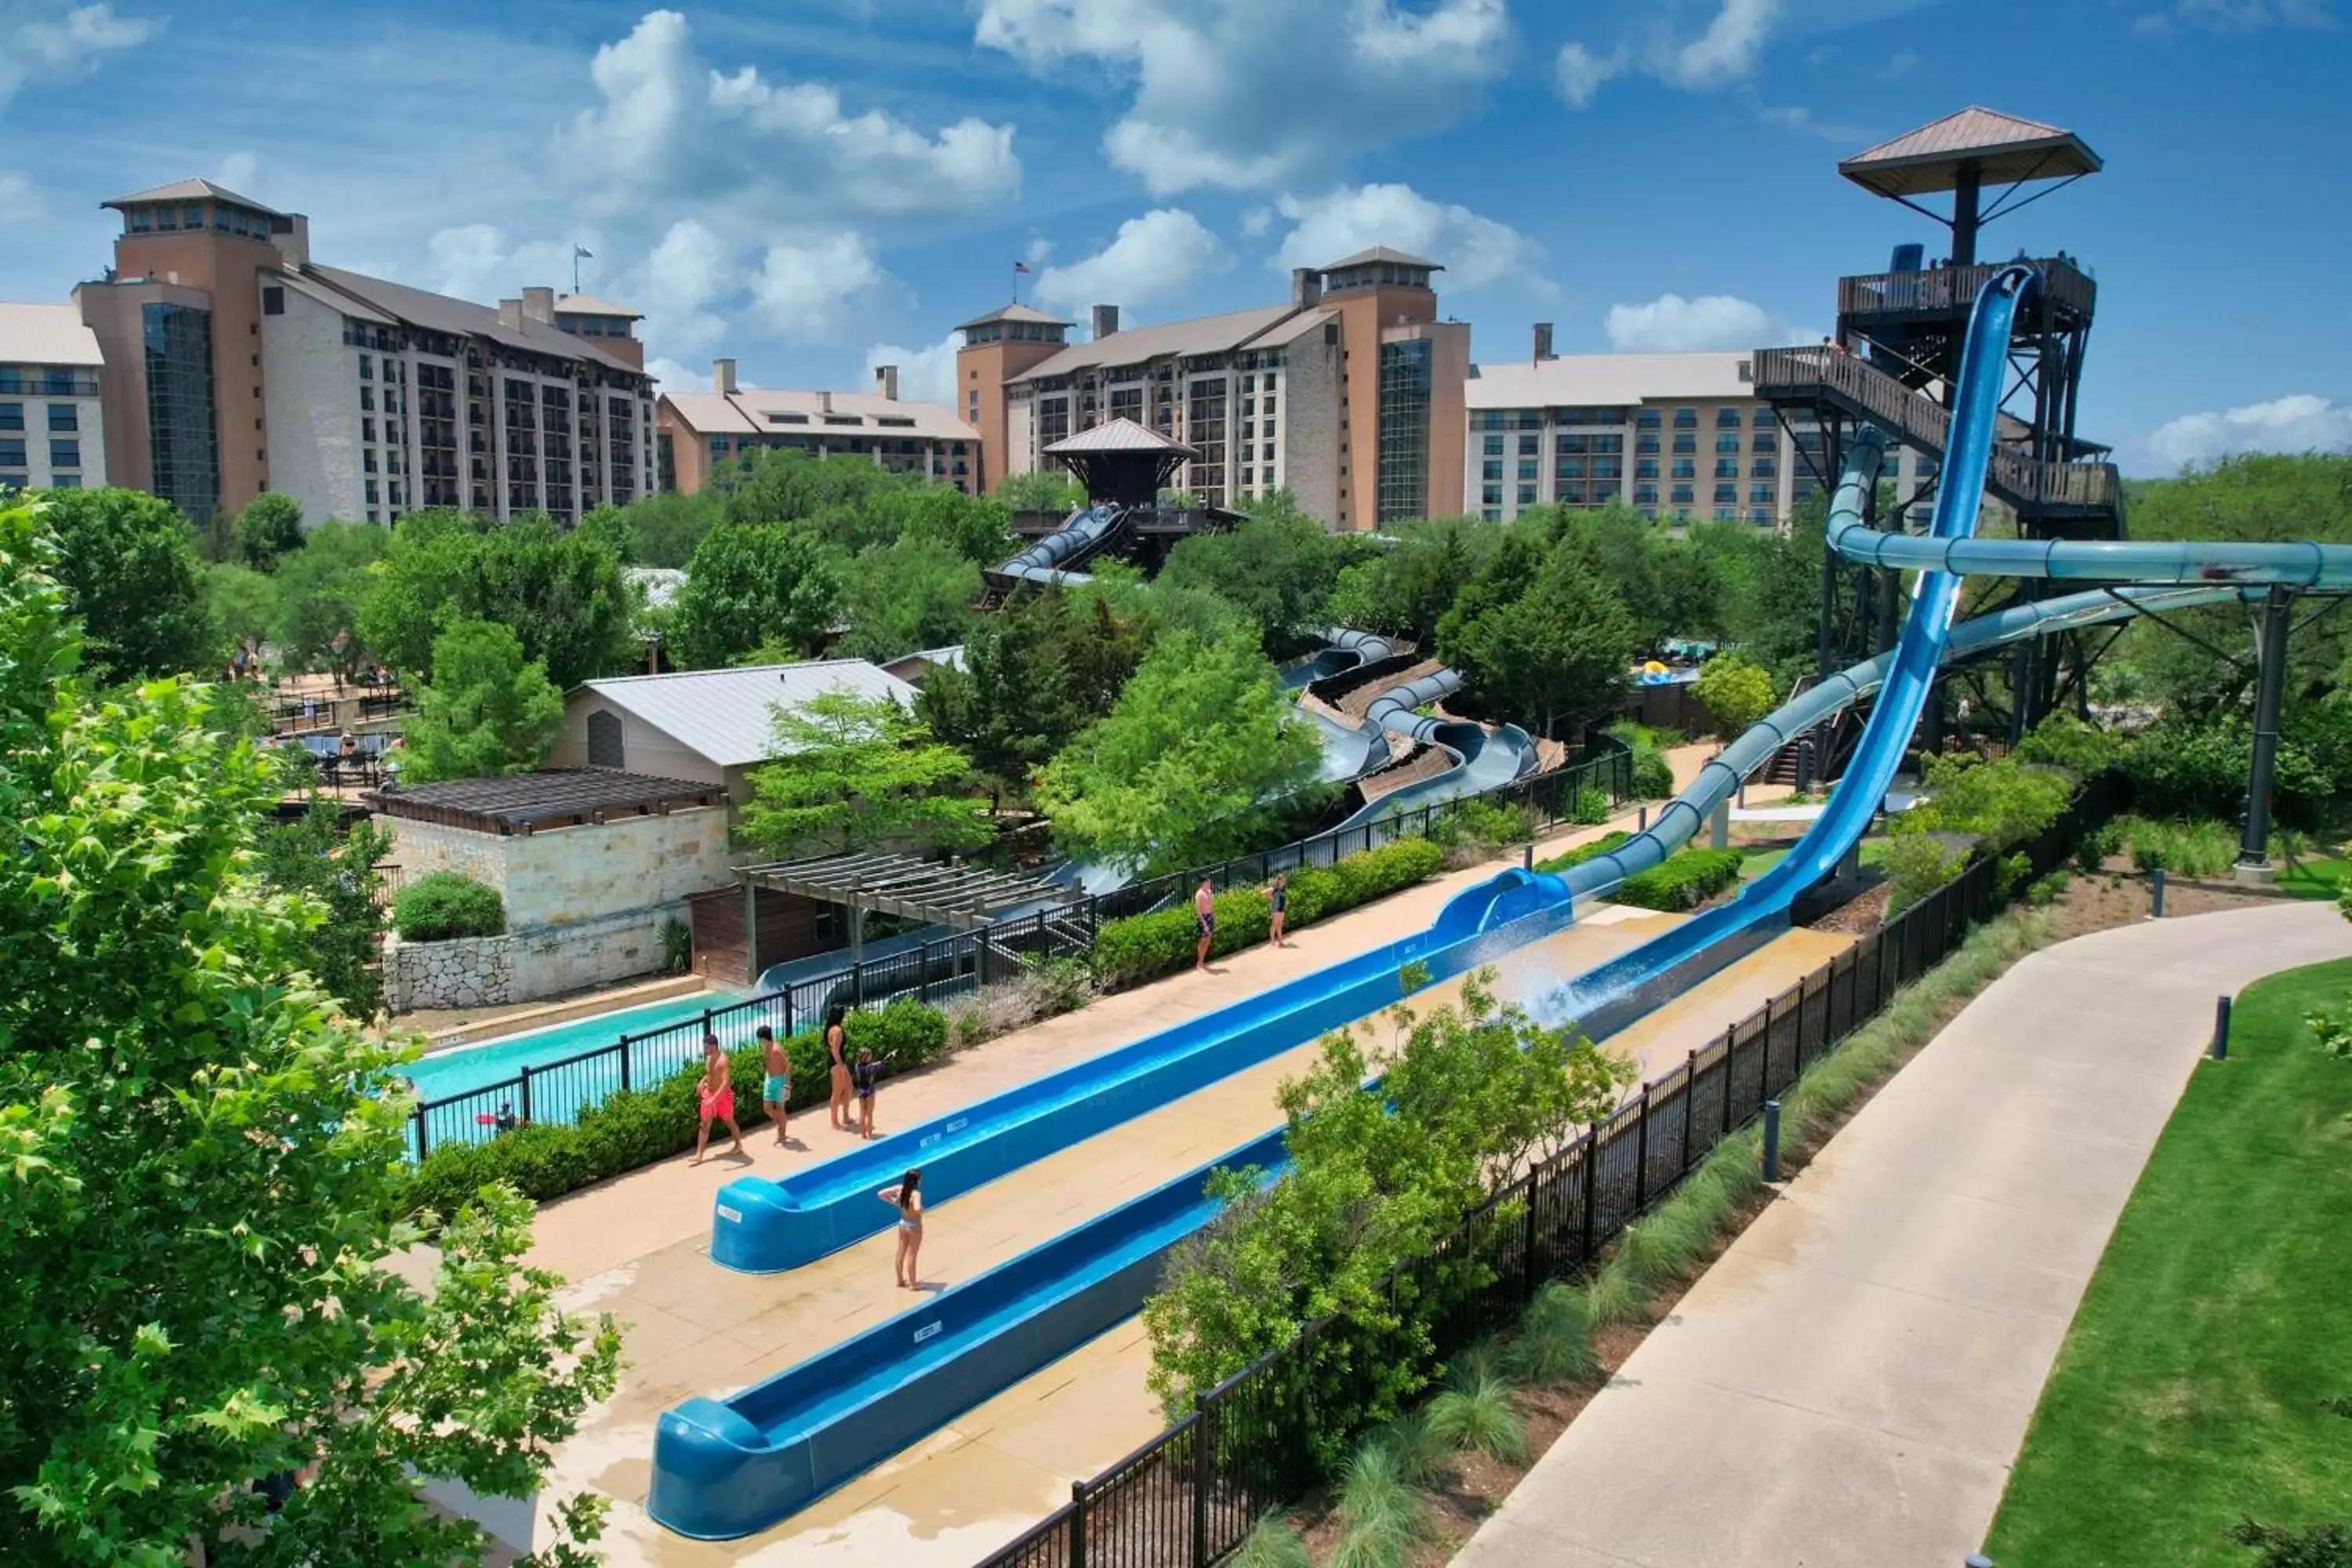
1277, 900
836, 1039
776, 1093
1205, 923
716, 1095
906, 1198
867, 1075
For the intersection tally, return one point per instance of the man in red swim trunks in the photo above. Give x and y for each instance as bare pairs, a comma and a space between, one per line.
716, 1094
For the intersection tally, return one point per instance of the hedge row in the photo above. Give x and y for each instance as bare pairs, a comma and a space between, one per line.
1143, 947
634, 1128
1683, 881
1583, 852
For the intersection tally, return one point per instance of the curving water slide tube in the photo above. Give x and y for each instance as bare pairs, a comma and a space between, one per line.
726, 1468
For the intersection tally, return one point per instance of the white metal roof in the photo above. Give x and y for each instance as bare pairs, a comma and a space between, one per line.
589, 305
1382, 253
724, 714
47, 335
1574, 381
1133, 346
191, 191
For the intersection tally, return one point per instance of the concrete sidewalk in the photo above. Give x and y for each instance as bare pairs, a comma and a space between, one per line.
1850, 1383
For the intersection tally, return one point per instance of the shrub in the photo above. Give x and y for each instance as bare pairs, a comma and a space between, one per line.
1583, 852
1381, 1515
447, 904
677, 945
1045, 988
2062, 740
1917, 864
1476, 1414
1654, 776
1142, 947
1590, 809
2092, 853
1684, 882
903, 1034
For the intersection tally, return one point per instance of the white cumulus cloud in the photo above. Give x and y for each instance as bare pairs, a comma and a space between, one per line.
686, 271
1578, 73
925, 375
49, 44
804, 292
1475, 250
1672, 324
1247, 94
1154, 258
672, 376
1726, 51
477, 261
2299, 423
670, 128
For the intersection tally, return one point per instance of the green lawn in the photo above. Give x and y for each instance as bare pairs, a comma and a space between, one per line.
1762, 859
2313, 878
2195, 1385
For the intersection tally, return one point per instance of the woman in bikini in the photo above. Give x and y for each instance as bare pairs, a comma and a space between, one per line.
715, 1096
1277, 900
906, 1198
836, 1039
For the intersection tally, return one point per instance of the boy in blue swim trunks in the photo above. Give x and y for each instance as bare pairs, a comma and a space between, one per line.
776, 1093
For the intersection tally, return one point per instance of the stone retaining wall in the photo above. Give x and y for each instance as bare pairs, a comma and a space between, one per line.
525, 966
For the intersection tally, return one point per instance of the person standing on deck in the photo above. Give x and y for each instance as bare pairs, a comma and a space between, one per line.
1205, 923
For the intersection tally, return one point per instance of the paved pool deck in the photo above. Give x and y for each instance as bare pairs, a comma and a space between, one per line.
1849, 1384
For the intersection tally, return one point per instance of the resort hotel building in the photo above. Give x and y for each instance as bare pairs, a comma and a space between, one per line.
52, 425
698, 433
234, 364
1348, 394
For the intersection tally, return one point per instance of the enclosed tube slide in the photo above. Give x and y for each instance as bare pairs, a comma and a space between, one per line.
1055, 557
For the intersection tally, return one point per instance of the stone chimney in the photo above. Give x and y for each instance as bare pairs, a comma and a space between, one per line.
1543, 342
292, 236
722, 376
1106, 320
539, 304
1306, 287
885, 381
510, 315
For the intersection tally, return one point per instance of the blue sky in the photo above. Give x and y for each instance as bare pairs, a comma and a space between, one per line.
819, 185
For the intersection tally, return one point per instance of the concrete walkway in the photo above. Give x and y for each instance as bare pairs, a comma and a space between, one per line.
1850, 1383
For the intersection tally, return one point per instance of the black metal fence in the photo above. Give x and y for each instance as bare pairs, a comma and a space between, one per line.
1190, 1495
935, 970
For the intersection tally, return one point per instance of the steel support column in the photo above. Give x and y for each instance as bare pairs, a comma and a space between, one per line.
2270, 691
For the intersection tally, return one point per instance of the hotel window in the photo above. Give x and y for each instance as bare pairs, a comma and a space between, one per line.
12, 454
1527, 495
1685, 442
1764, 441
367, 368
1646, 469
370, 488
1494, 446
1528, 468
1603, 493
1680, 495
1268, 403
1572, 443
1685, 469
1763, 469
1646, 494
1491, 469
1763, 419
367, 429
65, 454
1685, 418
1645, 444
1759, 515
1760, 495
1727, 467
1529, 445
1649, 419
1726, 495
1569, 468
1608, 468
65, 482
367, 398
1727, 514
1728, 419
1491, 495
12, 417
1726, 444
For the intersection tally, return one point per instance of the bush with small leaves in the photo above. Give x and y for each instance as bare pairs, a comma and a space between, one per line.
447, 904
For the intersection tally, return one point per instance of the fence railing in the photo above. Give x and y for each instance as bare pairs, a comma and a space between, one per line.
1263, 1437
935, 970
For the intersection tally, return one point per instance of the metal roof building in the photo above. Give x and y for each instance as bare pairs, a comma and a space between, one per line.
703, 724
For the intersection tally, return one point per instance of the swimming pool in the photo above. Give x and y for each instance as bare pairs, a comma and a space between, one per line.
673, 1027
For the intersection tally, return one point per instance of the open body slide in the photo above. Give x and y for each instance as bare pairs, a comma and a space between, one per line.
771, 1447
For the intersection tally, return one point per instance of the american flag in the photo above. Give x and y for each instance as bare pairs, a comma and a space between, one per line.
1020, 266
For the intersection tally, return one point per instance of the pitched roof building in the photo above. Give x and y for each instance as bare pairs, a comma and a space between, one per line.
236, 364
711, 725
699, 432
1348, 394
52, 425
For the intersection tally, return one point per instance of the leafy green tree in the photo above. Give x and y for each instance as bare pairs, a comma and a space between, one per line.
1461, 1099
665, 528
241, 602
127, 565
750, 586
335, 868
913, 593
976, 529
785, 484
1047, 665
204, 1171
1277, 566
852, 773
1042, 489
1194, 762
614, 528
1406, 589
271, 526
1547, 649
1735, 692
488, 708
320, 589
562, 594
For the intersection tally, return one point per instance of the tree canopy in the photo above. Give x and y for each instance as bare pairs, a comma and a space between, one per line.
1042, 489
1201, 755
1538, 638
750, 586
1045, 666
854, 772
1277, 566
1406, 589
561, 592
320, 588
488, 708
913, 593
204, 1161
1735, 692
128, 564
270, 526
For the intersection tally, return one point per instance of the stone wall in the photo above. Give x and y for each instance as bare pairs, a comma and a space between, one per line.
526, 965
566, 876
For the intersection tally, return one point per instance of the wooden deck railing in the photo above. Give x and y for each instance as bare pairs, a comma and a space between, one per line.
1949, 289
1918, 420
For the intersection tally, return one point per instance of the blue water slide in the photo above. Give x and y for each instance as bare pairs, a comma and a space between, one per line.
1482, 760
723, 1468
760, 1225
1056, 557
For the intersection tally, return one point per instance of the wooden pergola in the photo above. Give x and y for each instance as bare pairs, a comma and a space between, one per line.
933, 892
